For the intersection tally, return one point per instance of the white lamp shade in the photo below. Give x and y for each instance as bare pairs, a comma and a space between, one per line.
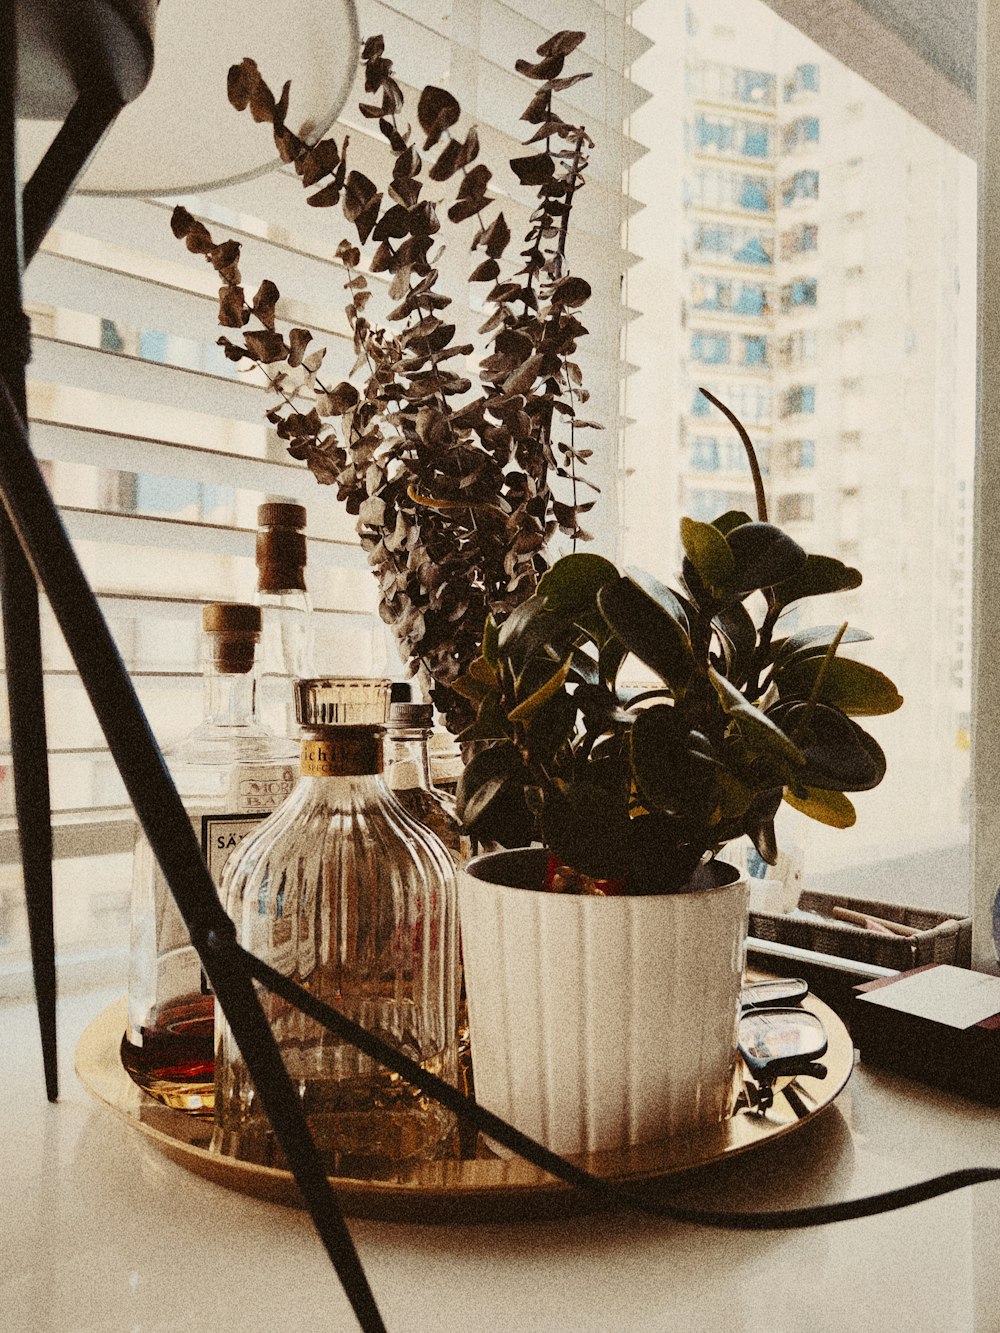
181, 135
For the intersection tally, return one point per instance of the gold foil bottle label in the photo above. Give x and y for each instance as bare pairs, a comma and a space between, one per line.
344, 752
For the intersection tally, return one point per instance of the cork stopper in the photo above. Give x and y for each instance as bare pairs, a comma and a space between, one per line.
232, 630
281, 547
341, 701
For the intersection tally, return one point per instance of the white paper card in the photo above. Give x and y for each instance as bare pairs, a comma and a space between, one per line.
944, 994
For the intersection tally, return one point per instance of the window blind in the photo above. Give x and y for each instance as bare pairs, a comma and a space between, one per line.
156, 447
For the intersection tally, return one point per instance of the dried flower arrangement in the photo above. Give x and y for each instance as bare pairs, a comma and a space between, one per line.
451, 486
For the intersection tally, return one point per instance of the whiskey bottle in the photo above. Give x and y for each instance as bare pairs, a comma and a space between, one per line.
230, 772
287, 629
341, 890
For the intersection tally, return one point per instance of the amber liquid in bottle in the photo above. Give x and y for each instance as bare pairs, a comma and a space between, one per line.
176, 1062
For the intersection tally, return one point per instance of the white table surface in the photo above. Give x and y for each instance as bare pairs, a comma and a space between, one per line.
100, 1232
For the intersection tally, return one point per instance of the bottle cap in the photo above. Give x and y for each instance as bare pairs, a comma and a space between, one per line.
281, 515
411, 715
232, 630
342, 701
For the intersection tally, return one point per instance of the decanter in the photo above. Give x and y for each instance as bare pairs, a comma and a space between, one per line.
230, 772
287, 641
347, 894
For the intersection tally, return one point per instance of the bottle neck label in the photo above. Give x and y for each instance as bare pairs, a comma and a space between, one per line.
344, 752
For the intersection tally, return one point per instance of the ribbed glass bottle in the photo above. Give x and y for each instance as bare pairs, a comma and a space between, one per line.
345, 893
230, 772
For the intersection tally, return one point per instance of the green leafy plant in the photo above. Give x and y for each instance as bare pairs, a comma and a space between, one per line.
457, 488
639, 788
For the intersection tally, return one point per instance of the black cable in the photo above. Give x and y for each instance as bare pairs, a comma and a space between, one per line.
607, 1192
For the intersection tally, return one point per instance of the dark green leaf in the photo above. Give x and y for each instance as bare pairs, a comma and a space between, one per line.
763, 555
732, 518
647, 630
571, 586
586, 829
669, 762
709, 552
854, 687
839, 755
759, 731
482, 778
820, 574
814, 641
738, 633
827, 807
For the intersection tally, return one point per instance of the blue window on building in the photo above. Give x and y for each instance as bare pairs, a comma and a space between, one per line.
711, 132
700, 406
754, 350
807, 453
753, 251
800, 399
810, 129
754, 195
808, 398
804, 80
752, 300
752, 85
705, 453
708, 294
711, 349
803, 185
756, 141
801, 292
715, 239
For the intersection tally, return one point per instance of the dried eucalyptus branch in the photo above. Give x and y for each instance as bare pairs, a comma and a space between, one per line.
451, 484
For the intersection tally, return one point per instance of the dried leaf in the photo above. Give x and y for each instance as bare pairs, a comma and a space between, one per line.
298, 341
533, 170
487, 271
266, 346
561, 43
348, 254
466, 208
239, 83
319, 161
359, 192
437, 111
231, 311
339, 400
264, 303
325, 198
448, 161
545, 69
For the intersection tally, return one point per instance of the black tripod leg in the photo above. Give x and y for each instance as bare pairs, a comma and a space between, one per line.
19, 602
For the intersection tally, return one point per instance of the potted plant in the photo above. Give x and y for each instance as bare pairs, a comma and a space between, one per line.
606, 1014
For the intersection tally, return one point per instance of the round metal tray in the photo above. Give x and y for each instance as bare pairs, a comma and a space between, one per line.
453, 1189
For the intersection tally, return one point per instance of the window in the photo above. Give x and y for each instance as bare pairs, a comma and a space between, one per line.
800, 132
801, 399
710, 294
720, 82
754, 351
704, 453
798, 349
799, 455
801, 292
738, 245
751, 402
803, 185
705, 505
802, 239
798, 508
729, 136
752, 299
727, 190
711, 349
804, 79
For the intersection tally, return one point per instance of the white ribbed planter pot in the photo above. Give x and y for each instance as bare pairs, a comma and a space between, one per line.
601, 1022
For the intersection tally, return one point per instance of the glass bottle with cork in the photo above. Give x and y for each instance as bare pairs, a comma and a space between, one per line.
231, 772
343, 891
287, 642
408, 771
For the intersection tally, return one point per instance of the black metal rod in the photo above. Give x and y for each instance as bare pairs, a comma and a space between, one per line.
90, 118
19, 599
171, 836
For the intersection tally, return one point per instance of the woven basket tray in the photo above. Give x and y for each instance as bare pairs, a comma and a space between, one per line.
942, 938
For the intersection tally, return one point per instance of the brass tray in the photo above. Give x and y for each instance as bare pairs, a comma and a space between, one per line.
481, 1189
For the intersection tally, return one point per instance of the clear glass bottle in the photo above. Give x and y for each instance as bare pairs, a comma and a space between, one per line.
230, 772
408, 772
287, 642
343, 891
